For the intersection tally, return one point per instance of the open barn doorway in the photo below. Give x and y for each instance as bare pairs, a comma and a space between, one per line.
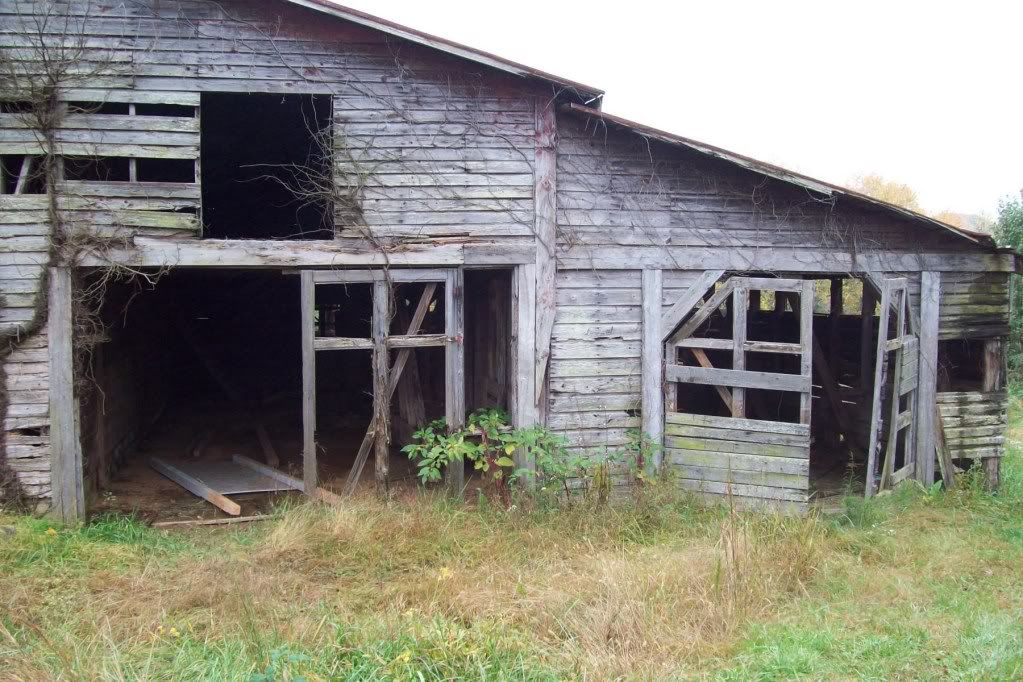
200, 367
771, 386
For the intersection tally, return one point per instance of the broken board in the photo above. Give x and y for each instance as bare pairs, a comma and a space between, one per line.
214, 480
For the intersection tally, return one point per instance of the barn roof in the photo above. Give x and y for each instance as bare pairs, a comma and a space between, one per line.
586, 92
593, 96
770, 170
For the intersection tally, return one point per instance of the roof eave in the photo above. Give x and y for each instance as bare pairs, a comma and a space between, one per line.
586, 92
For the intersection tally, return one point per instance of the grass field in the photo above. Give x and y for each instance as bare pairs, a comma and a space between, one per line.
914, 585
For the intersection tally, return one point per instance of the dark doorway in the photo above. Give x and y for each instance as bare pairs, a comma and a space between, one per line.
260, 156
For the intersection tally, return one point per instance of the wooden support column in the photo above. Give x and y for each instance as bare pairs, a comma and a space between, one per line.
67, 487
308, 315
653, 362
993, 380
381, 392
834, 327
739, 307
454, 366
806, 342
868, 303
545, 228
523, 379
930, 292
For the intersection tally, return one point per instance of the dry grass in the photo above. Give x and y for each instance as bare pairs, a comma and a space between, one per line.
392, 590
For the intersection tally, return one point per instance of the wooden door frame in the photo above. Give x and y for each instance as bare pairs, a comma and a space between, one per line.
381, 342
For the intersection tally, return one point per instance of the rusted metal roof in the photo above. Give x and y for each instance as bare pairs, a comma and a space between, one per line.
588, 93
770, 170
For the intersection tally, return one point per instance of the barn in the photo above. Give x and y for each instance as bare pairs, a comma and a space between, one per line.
284, 233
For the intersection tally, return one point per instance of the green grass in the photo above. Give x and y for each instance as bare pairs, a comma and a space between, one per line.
913, 585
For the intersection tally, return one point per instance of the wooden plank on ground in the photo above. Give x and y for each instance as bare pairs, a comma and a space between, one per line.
195, 486
275, 474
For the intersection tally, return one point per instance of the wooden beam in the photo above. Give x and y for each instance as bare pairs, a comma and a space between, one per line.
868, 303
806, 341
880, 369
834, 324
454, 367
212, 522
740, 306
341, 343
195, 486
395, 275
522, 386
652, 402
381, 392
701, 357
738, 378
926, 398
705, 311
545, 221
307, 304
66, 485
894, 426
694, 294
396, 372
993, 379
24, 174
419, 341
275, 254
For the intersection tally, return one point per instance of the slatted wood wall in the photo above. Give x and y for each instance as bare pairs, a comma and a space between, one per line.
975, 422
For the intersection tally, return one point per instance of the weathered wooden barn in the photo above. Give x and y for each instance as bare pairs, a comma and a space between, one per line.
293, 230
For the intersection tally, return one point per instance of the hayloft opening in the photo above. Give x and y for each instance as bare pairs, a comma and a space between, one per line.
262, 156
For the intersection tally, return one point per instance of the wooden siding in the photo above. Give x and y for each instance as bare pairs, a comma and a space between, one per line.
744, 458
974, 422
973, 305
24, 246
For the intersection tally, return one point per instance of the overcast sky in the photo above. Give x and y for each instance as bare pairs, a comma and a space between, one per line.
925, 93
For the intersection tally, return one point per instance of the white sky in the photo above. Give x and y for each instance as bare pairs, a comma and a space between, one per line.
925, 93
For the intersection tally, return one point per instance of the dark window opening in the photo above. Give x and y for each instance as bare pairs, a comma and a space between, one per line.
15, 107
13, 167
179, 110
258, 152
961, 365
165, 170
100, 108
96, 169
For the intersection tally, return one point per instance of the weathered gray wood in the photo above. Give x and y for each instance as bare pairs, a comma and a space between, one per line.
67, 489
747, 435
24, 174
307, 304
653, 362
895, 424
993, 379
738, 378
196, 487
694, 295
834, 320
930, 293
739, 424
722, 294
454, 368
341, 343
396, 373
367, 276
420, 341
381, 394
737, 446
806, 342
880, 364
868, 304
545, 230
740, 462
740, 306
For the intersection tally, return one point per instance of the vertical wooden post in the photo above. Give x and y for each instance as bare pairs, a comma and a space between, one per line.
880, 368
993, 380
381, 390
67, 488
545, 229
308, 316
867, 305
834, 327
133, 163
806, 297
522, 388
454, 366
653, 362
740, 306
926, 395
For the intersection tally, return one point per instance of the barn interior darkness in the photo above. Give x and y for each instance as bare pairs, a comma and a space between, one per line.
258, 154
191, 365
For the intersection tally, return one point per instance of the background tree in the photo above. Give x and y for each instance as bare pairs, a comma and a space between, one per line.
873, 185
1008, 231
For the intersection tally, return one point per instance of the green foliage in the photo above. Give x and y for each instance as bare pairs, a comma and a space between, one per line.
1008, 232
